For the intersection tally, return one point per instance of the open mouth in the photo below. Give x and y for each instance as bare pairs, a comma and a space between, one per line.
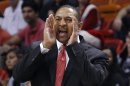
62, 32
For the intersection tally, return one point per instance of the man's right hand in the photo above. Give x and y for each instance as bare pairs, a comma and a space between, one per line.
49, 32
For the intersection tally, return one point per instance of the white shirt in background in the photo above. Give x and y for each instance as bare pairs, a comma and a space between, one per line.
13, 21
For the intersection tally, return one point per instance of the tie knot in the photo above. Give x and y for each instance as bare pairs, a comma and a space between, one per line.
62, 47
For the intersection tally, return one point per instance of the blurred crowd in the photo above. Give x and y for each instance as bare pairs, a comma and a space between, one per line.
22, 23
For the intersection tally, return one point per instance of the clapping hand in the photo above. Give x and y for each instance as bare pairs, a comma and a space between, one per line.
49, 32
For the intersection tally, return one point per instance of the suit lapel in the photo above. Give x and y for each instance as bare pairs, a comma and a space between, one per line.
52, 63
69, 68
75, 65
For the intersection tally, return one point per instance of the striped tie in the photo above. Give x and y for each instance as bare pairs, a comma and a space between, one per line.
60, 68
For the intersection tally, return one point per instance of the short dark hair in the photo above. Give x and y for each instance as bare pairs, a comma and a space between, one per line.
69, 6
32, 4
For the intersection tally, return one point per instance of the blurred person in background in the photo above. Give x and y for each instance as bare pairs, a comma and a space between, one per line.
10, 59
121, 23
13, 21
3, 75
4, 36
40, 4
89, 15
116, 75
117, 24
125, 55
33, 31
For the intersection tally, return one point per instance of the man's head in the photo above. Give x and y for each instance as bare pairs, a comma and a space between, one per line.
64, 22
30, 11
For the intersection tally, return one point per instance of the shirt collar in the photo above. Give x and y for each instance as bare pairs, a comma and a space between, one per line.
59, 44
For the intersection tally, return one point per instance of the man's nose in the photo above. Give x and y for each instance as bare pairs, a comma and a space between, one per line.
62, 22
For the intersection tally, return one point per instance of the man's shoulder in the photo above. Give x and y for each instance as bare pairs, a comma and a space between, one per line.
35, 44
85, 44
90, 48
92, 52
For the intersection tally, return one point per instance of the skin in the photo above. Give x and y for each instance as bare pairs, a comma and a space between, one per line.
64, 27
11, 60
29, 15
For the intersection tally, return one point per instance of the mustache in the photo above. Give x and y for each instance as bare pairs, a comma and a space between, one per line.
62, 28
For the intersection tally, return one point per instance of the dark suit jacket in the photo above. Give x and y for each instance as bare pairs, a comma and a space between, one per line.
87, 66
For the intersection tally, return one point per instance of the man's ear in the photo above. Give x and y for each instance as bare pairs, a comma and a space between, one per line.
80, 25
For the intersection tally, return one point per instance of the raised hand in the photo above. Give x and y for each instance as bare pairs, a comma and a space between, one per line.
49, 32
75, 32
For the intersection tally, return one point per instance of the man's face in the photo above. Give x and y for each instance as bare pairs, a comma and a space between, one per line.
29, 14
64, 24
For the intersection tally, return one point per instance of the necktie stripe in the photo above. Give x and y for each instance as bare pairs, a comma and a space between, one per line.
61, 63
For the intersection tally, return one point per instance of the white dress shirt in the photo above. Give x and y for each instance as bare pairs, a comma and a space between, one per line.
59, 44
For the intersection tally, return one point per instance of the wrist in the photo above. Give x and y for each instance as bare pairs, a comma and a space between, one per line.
45, 45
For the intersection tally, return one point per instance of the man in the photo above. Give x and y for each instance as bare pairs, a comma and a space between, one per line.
61, 59
32, 32
13, 21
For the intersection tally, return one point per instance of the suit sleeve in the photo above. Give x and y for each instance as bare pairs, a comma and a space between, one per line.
27, 67
95, 64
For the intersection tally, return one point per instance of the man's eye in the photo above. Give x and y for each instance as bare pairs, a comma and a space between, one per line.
68, 20
57, 19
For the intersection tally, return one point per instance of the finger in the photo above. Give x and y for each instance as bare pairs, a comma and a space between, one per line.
46, 23
47, 29
49, 25
52, 24
75, 25
49, 21
52, 20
